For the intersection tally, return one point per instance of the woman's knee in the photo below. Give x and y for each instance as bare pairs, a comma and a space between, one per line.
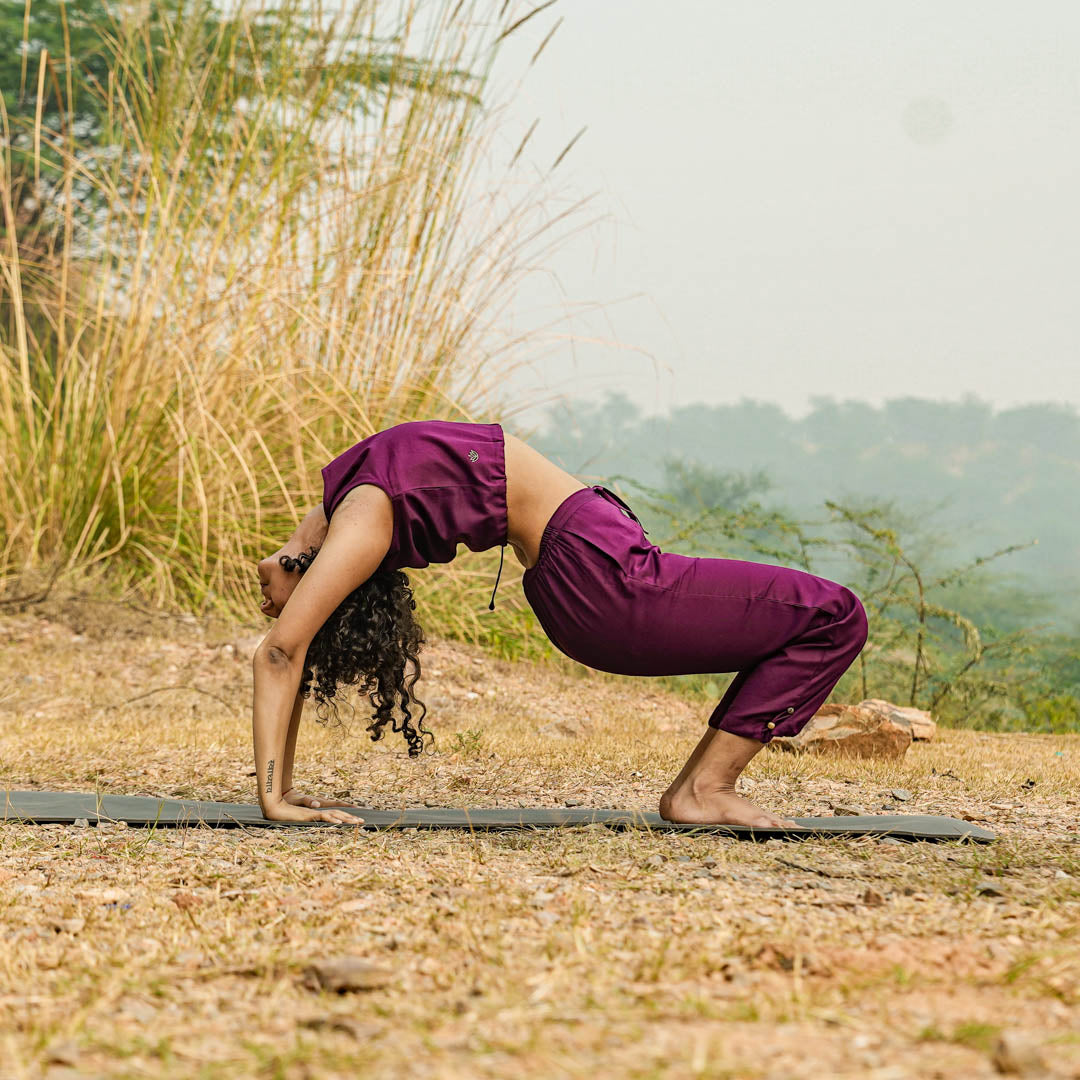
853, 621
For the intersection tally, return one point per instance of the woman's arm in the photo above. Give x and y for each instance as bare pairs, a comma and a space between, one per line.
290, 742
356, 542
277, 681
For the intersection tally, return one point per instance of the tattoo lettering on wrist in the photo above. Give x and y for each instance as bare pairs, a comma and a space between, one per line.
270, 777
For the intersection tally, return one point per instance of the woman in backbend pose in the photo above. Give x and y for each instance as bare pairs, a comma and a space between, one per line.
605, 595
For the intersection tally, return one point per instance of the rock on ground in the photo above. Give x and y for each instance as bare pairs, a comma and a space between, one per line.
849, 730
922, 724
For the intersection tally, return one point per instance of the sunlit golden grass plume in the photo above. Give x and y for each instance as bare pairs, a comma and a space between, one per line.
287, 253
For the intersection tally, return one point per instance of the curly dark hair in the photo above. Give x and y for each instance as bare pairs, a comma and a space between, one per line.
368, 640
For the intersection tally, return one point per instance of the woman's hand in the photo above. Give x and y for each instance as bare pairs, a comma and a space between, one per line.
287, 811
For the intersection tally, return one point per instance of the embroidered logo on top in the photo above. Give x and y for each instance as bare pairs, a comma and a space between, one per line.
473, 455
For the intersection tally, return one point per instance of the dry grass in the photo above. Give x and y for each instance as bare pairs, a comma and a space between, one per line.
280, 264
574, 953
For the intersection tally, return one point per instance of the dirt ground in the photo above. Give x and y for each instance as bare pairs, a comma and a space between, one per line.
567, 953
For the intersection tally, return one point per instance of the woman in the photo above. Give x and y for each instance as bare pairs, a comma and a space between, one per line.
605, 595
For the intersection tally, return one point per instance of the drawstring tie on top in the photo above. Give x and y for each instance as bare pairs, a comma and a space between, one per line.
601, 490
502, 552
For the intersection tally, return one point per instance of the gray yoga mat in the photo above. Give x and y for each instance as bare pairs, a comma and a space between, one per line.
66, 807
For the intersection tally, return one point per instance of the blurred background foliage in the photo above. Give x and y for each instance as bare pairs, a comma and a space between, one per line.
232, 245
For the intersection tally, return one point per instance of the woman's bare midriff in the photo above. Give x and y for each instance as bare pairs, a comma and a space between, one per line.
534, 489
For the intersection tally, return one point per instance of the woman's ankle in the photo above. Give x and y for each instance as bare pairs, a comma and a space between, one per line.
702, 785
697, 790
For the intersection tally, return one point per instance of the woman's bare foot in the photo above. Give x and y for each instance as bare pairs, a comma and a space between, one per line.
719, 808
704, 791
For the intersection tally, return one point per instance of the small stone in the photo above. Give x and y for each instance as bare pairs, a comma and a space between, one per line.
848, 810
144, 946
702, 872
900, 794
137, 1010
102, 896
67, 926
683, 858
431, 802
989, 888
710, 862
358, 1029
889, 840
1061, 874
655, 860
872, 898
63, 1053
1016, 1054
81, 823
574, 802
345, 973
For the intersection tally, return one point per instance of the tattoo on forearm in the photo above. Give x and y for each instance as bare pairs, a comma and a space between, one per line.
270, 777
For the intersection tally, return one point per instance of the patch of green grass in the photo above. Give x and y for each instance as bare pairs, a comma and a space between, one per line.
743, 1011
467, 743
976, 1034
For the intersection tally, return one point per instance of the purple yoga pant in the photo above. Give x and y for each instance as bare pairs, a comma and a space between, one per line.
613, 601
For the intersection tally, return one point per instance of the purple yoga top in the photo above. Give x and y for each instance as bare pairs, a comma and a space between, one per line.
447, 483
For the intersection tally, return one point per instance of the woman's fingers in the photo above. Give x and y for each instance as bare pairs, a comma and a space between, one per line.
284, 811
338, 817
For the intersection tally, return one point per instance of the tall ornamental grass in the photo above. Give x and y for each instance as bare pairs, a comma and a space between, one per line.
276, 247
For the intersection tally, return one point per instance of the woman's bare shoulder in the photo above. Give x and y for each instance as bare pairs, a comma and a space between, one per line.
366, 496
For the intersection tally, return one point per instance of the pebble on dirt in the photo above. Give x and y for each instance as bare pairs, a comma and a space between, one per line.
344, 973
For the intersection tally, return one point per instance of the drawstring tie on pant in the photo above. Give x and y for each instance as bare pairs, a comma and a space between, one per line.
600, 488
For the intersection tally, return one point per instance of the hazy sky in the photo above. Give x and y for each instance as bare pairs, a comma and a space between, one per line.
858, 199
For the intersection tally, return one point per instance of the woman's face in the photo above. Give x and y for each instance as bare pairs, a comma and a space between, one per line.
275, 582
